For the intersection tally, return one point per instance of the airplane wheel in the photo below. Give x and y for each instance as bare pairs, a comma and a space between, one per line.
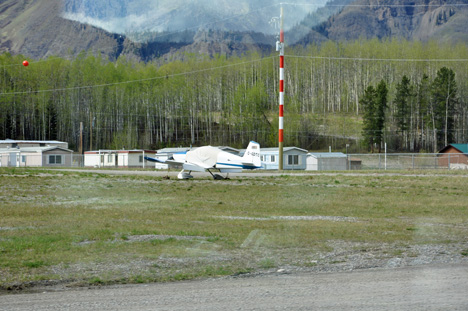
218, 177
183, 175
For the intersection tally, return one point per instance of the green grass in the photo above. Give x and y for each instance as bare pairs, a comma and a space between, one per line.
97, 229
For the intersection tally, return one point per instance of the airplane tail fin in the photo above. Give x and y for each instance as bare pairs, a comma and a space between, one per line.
252, 155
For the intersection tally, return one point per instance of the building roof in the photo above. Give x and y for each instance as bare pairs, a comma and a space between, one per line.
463, 148
174, 150
33, 149
327, 154
13, 141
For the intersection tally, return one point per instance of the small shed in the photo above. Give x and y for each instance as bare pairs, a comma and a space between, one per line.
294, 158
117, 158
454, 156
51, 156
327, 161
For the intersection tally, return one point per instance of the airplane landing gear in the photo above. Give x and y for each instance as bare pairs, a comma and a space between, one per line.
218, 176
184, 175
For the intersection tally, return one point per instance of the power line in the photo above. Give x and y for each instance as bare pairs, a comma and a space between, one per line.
378, 5
237, 64
237, 16
138, 80
382, 59
68, 57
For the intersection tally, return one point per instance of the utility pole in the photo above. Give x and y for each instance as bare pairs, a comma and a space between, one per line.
280, 48
91, 121
81, 139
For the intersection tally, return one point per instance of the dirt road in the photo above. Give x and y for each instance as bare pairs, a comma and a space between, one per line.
431, 287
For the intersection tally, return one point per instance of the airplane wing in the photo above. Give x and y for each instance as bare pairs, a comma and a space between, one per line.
201, 159
194, 167
154, 160
170, 162
198, 160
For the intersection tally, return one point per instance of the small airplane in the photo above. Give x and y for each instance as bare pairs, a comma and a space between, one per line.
207, 158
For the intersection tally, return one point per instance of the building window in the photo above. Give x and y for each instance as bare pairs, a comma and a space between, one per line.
141, 159
109, 158
55, 159
273, 159
23, 159
293, 159
262, 159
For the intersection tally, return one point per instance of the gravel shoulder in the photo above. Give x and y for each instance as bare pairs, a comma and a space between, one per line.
425, 287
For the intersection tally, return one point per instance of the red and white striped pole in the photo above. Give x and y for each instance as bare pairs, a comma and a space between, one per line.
281, 94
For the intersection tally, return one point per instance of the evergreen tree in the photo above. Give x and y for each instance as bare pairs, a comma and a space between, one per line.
444, 95
403, 103
374, 103
369, 106
381, 106
423, 113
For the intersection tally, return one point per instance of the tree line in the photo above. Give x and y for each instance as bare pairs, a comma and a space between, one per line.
424, 114
197, 100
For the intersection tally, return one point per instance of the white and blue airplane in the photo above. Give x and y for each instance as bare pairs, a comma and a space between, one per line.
207, 158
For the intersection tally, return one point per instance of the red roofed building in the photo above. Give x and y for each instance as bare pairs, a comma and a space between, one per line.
454, 156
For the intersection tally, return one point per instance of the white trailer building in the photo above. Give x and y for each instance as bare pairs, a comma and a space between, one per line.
51, 156
117, 158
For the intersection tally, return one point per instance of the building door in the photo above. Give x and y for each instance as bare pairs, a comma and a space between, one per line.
13, 161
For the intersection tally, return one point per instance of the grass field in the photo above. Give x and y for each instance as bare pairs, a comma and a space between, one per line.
91, 229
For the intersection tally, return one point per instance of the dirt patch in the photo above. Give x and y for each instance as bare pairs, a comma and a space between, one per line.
151, 237
292, 218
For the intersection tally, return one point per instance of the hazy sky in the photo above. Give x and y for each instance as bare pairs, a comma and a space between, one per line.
178, 15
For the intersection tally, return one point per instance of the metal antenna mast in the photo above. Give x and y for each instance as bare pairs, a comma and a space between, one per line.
280, 48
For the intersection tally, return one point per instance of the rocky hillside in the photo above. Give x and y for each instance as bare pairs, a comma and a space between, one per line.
36, 29
441, 20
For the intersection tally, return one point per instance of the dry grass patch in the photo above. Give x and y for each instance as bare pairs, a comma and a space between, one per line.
55, 222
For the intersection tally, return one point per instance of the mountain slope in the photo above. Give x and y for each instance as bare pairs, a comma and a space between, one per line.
444, 21
304, 32
36, 29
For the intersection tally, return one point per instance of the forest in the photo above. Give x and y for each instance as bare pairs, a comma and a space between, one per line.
192, 99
